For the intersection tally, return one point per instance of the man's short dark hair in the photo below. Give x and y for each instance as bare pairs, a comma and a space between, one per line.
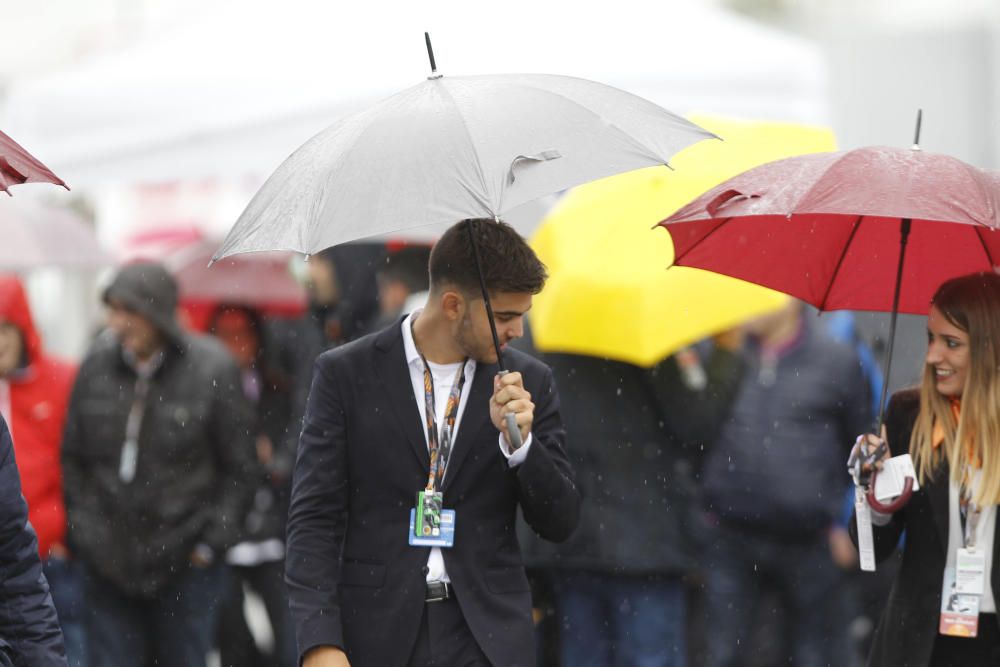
509, 264
408, 265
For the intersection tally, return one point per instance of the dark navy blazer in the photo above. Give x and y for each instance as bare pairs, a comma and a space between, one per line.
354, 582
29, 628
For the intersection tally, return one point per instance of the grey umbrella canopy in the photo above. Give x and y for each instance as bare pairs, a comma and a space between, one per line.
452, 148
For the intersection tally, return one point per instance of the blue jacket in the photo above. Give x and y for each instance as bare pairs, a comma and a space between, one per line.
29, 628
778, 464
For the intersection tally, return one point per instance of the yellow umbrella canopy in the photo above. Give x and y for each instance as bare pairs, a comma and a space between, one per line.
609, 293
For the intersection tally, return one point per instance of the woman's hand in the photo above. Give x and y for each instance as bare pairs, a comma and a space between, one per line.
867, 446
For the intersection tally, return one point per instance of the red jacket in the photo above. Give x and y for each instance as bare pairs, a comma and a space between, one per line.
39, 394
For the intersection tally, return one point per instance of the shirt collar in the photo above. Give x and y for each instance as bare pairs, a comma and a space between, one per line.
144, 369
409, 347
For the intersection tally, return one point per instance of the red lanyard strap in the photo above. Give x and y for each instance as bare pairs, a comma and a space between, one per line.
439, 441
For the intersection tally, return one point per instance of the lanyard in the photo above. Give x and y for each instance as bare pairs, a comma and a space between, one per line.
439, 440
968, 512
133, 425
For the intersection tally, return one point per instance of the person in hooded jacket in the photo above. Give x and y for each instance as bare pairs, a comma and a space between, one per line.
34, 394
258, 560
29, 628
159, 467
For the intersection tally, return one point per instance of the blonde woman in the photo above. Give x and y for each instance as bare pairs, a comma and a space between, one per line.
943, 606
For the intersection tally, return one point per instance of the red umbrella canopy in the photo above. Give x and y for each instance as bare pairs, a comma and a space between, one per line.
825, 227
262, 280
19, 166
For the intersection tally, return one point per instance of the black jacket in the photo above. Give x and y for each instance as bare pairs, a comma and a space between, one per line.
909, 624
353, 580
638, 435
29, 629
196, 464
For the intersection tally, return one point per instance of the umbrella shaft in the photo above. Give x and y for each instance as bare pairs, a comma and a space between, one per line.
904, 235
430, 53
486, 294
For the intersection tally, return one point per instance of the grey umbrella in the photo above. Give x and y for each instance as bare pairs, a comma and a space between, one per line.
453, 148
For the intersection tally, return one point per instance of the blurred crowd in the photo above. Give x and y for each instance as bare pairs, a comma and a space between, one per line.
715, 513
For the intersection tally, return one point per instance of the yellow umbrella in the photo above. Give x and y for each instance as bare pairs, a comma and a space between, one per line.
609, 293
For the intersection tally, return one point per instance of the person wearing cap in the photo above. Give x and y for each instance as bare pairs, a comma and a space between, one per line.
159, 467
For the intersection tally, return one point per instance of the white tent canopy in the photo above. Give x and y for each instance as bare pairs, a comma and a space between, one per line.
235, 89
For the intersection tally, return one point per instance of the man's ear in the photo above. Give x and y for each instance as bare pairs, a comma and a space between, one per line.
453, 305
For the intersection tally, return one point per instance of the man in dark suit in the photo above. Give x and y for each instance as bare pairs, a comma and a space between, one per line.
419, 407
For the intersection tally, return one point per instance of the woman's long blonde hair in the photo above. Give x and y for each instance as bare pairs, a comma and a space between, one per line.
971, 303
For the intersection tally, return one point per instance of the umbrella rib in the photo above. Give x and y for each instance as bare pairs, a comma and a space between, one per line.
443, 89
840, 262
986, 249
631, 140
679, 257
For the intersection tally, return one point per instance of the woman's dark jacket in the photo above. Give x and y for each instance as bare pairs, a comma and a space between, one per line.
906, 632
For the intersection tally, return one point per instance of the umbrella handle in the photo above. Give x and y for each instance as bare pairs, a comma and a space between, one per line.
895, 505
724, 198
513, 432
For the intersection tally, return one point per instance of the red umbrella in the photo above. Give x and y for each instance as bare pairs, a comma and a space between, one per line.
833, 229
19, 166
261, 279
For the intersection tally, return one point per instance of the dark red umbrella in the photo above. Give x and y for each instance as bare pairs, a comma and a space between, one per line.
833, 229
262, 280
19, 166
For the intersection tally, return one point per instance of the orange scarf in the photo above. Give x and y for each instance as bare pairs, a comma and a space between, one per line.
937, 435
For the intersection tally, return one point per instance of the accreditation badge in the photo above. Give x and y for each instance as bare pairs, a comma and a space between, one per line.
959, 611
970, 571
430, 524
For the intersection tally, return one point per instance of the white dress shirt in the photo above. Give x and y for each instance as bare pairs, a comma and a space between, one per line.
443, 375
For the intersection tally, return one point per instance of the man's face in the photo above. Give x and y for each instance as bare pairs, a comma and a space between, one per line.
324, 290
474, 336
135, 333
766, 325
11, 348
392, 296
235, 330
